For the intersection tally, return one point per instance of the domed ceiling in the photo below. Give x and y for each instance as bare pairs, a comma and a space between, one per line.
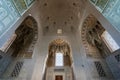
60, 14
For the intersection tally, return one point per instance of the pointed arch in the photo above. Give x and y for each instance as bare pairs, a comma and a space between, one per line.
91, 32
59, 46
27, 35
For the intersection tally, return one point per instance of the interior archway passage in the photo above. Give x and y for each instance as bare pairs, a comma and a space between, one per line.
19, 47
27, 34
91, 37
59, 61
96, 49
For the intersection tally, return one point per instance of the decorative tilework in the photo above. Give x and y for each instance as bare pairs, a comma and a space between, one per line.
10, 11
117, 57
21, 6
17, 69
109, 7
99, 68
111, 10
114, 16
94, 1
29, 2
101, 4
8, 15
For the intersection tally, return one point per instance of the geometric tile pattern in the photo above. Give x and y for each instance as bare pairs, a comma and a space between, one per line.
17, 69
117, 57
99, 68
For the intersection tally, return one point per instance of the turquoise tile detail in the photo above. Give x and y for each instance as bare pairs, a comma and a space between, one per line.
8, 15
20, 5
110, 10
29, 2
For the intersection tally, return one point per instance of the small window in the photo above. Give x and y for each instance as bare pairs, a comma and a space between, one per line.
0, 57
110, 42
99, 68
59, 31
59, 59
117, 57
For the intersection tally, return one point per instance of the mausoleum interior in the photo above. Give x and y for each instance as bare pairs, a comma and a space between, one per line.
59, 39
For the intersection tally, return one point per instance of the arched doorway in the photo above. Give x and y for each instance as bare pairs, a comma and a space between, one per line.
95, 48
20, 47
59, 61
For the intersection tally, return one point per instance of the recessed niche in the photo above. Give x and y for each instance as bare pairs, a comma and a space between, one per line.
45, 4
65, 22
93, 30
71, 17
97, 27
98, 22
54, 22
48, 18
90, 32
47, 27
74, 4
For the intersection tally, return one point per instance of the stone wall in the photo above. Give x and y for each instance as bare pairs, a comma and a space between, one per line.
4, 61
113, 62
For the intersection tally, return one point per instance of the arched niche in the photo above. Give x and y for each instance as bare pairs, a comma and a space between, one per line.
95, 48
59, 52
27, 34
20, 45
91, 37
59, 46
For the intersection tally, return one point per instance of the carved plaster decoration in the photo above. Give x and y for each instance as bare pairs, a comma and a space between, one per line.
59, 45
91, 32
